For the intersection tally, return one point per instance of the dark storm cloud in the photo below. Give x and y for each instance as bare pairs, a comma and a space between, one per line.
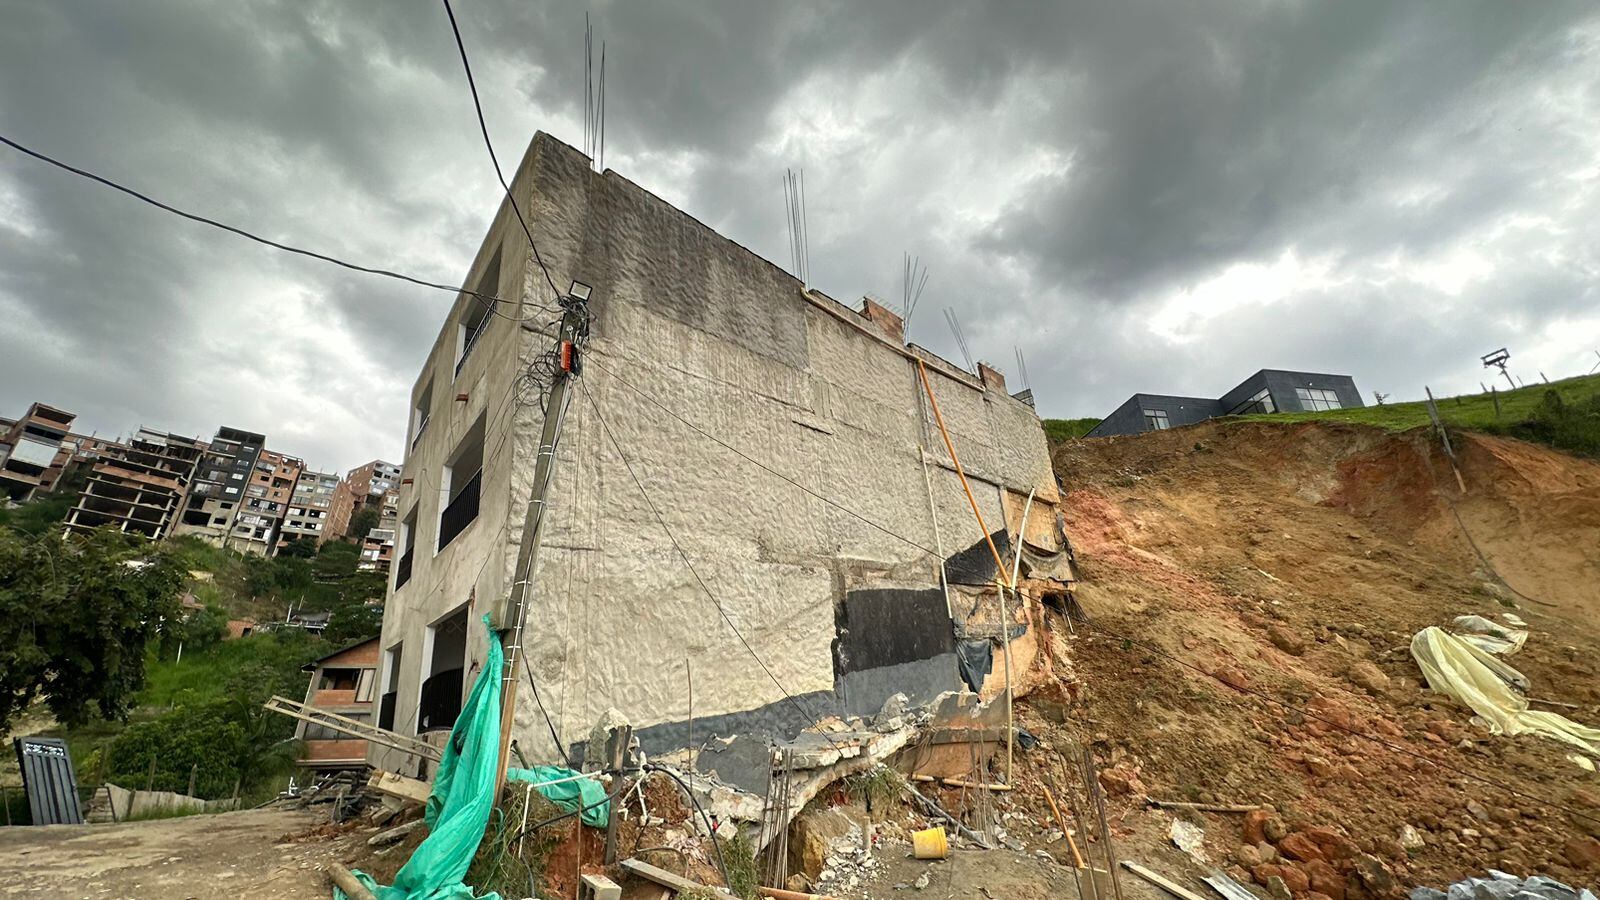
1140, 196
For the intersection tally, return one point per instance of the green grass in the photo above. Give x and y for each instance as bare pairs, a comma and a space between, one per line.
1058, 430
1563, 414
204, 676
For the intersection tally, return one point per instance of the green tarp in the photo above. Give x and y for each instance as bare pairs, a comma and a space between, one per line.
463, 796
573, 792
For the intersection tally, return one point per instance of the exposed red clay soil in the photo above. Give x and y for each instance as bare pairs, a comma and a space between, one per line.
1297, 561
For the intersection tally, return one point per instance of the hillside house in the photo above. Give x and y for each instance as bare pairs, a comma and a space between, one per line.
343, 682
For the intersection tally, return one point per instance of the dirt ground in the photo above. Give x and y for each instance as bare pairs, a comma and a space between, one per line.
1229, 563
236, 854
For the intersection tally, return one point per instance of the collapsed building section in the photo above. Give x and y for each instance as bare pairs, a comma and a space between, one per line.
138, 487
790, 449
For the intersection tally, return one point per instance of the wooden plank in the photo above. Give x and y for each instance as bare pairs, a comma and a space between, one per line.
664, 878
1160, 881
400, 787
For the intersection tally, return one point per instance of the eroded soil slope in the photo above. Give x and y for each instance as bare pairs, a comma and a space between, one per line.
1295, 562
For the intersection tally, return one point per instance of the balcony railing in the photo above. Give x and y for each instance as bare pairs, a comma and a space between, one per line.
386, 711
402, 571
472, 339
441, 702
461, 511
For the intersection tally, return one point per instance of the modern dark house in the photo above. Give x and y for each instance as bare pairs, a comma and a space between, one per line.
1267, 391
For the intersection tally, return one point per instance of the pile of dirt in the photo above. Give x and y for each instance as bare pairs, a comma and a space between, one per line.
1253, 589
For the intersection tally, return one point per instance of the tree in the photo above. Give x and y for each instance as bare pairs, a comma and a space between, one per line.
335, 560
353, 622
75, 618
298, 548
361, 522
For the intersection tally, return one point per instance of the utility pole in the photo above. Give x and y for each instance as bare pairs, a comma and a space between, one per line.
510, 617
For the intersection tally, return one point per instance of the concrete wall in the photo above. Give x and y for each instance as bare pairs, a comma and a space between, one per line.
812, 389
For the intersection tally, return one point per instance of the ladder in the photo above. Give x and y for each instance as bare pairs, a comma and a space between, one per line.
383, 737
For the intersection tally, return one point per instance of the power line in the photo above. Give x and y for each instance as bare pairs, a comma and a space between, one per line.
287, 248
483, 126
798, 704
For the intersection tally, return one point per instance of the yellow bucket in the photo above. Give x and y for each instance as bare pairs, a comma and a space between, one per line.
930, 844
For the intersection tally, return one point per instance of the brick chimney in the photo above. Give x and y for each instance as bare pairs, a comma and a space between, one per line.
890, 324
991, 377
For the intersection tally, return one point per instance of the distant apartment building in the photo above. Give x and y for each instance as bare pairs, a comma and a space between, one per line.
363, 487
219, 484
1267, 391
138, 487
266, 501
377, 547
32, 456
310, 507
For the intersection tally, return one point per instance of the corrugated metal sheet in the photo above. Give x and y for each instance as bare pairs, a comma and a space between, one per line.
49, 781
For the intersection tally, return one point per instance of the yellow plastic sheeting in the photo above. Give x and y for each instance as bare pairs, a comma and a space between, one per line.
1457, 668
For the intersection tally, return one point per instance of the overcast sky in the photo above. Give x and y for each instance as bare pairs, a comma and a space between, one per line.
1142, 197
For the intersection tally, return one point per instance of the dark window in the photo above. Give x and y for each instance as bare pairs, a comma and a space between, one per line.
464, 474
1260, 403
479, 312
461, 511
1156, 420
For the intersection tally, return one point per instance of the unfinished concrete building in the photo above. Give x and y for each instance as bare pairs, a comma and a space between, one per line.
34, 450
138, 487
886, 586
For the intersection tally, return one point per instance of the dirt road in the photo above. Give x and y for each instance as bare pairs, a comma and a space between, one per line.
238, 854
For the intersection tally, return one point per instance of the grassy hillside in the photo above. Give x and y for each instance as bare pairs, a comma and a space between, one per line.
1058, 430
1563, 414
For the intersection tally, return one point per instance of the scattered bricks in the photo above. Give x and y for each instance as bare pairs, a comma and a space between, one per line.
1255, 822
1290, 642
1325, 879
1293, 877
1583, 853
1300, 846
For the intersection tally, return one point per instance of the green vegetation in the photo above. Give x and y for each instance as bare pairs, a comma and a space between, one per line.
75, 618
46, 512
1058, 430
1563, 414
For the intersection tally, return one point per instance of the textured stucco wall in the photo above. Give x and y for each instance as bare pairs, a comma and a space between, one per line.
734, 345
